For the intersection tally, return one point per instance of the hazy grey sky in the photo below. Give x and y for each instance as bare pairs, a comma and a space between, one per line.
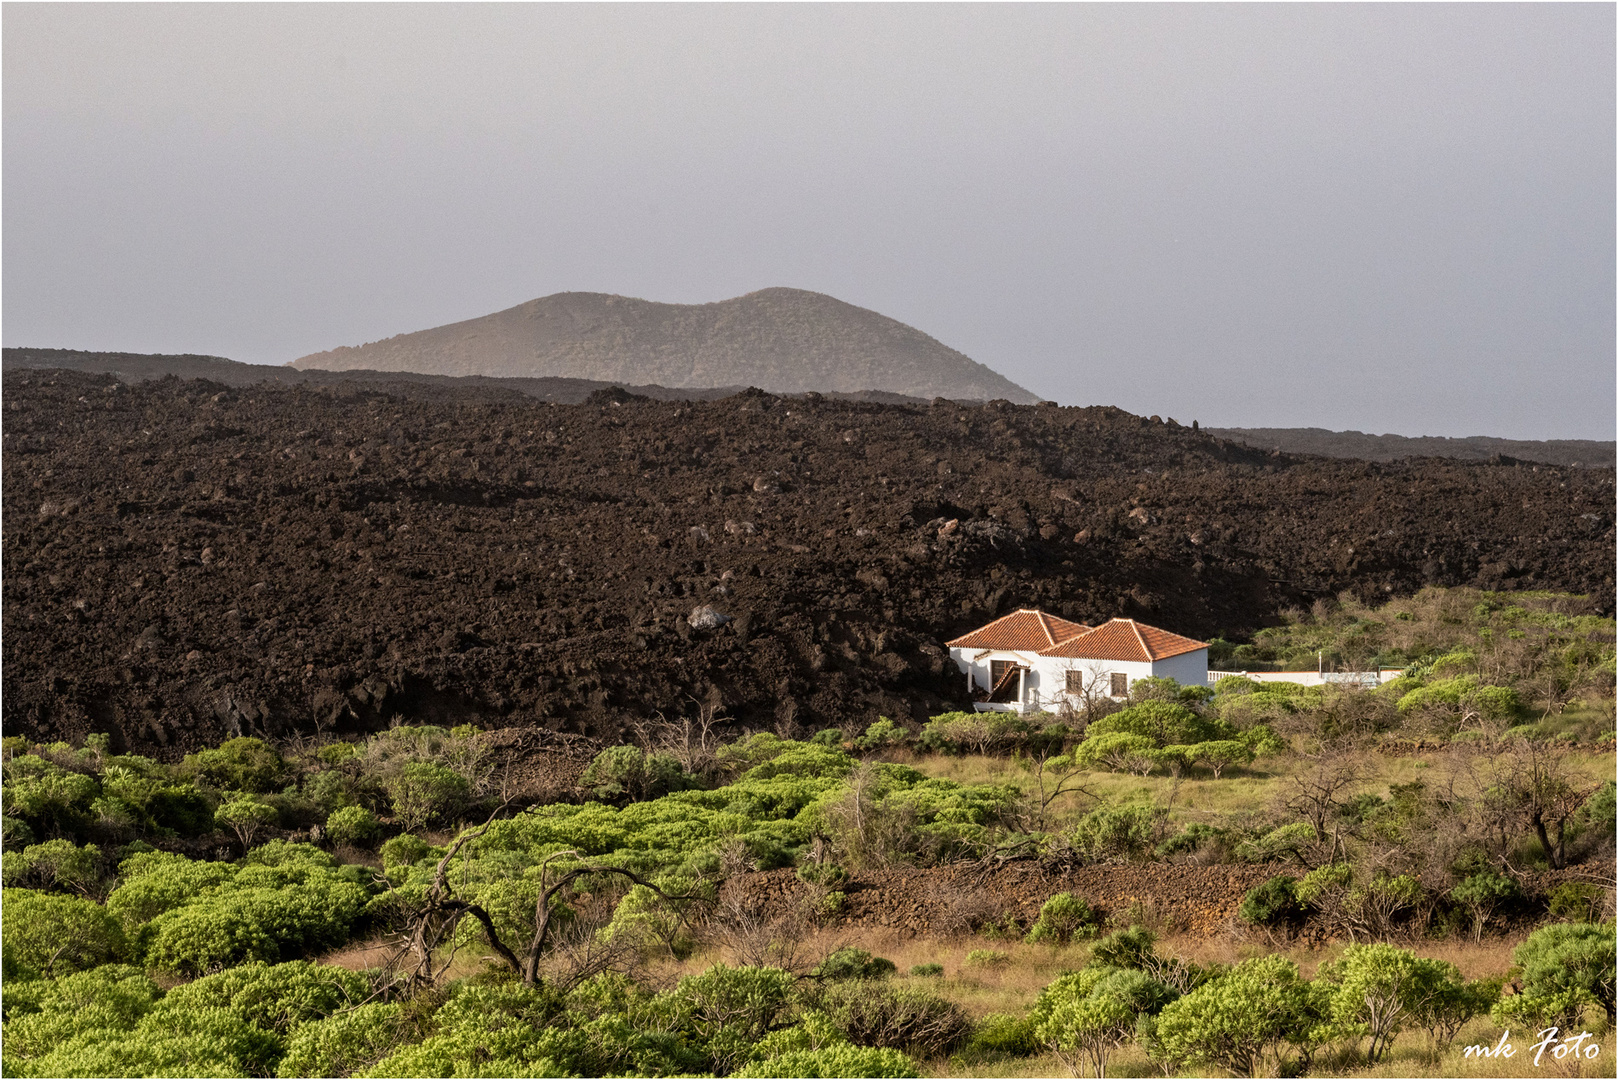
1384, 217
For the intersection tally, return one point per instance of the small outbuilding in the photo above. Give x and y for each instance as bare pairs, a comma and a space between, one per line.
1030, 661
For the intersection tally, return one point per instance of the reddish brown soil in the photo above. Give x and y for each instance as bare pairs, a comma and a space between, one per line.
184, 561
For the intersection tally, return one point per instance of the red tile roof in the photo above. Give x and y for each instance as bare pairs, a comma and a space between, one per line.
1124, 639
1027, 630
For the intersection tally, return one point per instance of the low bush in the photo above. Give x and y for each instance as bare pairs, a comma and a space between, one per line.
881, 735
899, 1017
1481, 894
344, 1043
1565, 967
999, 1035
851, 963
1129, 949
352, 825
1087, 1015
834, 1061
1576, 901
1118, 833
1271, 904
1062, 918
630, 773
54, 935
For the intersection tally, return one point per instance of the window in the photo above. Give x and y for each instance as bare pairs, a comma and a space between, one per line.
1075, 682
1120, 684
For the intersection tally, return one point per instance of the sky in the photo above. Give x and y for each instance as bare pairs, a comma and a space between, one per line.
1385, 217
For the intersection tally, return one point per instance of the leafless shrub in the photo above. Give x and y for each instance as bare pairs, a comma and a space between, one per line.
1321, 784
965, 911
758, 934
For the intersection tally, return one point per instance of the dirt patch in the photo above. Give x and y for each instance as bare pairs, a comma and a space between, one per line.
185, 562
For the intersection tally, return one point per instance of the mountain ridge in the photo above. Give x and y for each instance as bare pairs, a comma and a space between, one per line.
779, 339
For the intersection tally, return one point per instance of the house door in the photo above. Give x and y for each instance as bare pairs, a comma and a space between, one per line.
998, 670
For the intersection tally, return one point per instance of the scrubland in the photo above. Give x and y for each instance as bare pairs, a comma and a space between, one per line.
1418, 868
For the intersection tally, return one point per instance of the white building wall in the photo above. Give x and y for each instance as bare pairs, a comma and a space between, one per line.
1188, 669
1050, 677
970, 660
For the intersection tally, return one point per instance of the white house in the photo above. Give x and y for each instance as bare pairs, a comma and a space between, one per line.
1030, 661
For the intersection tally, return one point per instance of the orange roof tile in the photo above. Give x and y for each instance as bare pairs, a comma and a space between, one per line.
1124, 639
1027, 630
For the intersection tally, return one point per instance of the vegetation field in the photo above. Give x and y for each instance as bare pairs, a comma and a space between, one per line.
1432, 864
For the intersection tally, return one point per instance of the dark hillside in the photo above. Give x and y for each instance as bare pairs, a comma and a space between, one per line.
1356, 444
184, 560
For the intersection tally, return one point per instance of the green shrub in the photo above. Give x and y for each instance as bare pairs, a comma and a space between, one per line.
54, 934
1460, 702
1243, 1021
1481, 893
352, 825
1089, 1014
628, 772
42, 1014
14, 834
974, 733
1565, 967
275, 998
247, 817
209, 1042
1272, 903
1000, 1035
245, 765
287, 901
405, 850
1164, 723
1234, 686
900, 1017
1219, 754
882, 734
423, 792
851, 963
834, 1061
1288, 841
725, 1011
344, 1043
1576, 901
54, 864
1118, 751
928, 971
52, 800
1122, 832
157, 881
1129, 949
1062, 918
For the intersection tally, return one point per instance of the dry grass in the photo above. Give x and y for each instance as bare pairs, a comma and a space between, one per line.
361, 955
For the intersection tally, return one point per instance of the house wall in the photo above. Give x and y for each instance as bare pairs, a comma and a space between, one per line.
968, 660
1049, 677
1188, 669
